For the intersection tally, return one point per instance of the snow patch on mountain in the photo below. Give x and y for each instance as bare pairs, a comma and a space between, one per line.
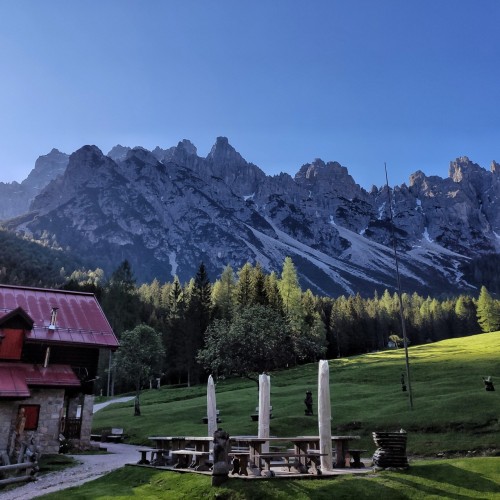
427, 236
172, 259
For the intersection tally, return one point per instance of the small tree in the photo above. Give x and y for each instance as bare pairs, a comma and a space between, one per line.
396, 340
256, 341
139, 357
488, 312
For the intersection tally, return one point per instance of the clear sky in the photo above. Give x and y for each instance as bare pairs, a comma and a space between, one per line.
414, 83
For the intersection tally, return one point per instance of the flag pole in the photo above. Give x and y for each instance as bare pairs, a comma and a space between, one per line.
401, 309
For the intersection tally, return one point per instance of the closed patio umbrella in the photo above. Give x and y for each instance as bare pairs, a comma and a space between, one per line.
264, 407
325, 415
211, 407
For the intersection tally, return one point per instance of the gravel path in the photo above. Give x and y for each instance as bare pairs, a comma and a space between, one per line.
99, 406
90, 467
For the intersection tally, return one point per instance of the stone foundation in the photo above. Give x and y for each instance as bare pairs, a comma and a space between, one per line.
51, 403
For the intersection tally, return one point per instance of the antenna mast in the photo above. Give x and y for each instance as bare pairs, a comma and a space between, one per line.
401, 310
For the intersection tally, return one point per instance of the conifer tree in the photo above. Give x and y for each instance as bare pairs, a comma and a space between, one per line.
173, 337
197, 320
258, 286
291, 294
224, 295
465, 321
121, 303
273, 293
244, 286
488, 312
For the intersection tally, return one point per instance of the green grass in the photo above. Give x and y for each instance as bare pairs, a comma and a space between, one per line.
53, 463
456, 478
452, 412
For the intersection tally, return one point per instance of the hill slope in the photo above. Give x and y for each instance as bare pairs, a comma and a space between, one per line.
452, 411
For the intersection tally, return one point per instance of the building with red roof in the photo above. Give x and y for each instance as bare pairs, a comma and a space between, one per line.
49, 352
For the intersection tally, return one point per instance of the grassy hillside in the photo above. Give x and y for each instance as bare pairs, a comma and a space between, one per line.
458, 478
452, 411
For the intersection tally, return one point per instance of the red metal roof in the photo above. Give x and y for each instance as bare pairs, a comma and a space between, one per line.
13, 382
52, 375
16, 377
80, 319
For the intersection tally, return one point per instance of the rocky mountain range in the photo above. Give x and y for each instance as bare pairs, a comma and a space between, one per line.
15, 197
167, 210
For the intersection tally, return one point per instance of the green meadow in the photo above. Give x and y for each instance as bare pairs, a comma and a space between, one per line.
453, 428
452, 413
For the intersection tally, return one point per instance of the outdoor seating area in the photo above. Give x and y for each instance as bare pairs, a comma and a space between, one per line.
260, 455
114, 435
255, 416
217, 416
252, 456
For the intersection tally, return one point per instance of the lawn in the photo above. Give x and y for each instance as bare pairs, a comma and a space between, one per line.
453, 416
453, 478
452, 413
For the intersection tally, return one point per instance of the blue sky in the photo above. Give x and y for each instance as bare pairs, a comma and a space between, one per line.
362, 82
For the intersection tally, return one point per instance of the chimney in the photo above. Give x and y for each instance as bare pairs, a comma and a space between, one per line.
53, 318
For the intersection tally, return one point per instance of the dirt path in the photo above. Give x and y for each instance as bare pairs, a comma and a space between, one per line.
99, 406
90, 467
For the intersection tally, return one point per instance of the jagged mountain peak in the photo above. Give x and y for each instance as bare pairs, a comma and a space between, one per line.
118, 152
318, 170
165, 210
462, 168
141, 154
185, 151
85, 160
187, 146
87, 151
330, 177
222, 153
46, 168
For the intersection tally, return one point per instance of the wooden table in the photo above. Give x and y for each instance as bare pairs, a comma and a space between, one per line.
301, 453
186, 451
340, 446
194, 451
254, 445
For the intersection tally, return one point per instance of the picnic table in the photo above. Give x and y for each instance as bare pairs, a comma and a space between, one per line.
195, 451
185, 451
340, 447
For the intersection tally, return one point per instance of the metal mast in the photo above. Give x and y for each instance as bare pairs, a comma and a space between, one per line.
401, 309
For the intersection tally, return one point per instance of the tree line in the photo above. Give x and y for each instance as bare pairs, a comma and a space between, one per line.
249, 321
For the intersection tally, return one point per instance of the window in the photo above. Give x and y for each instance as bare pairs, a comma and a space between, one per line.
31, 412
11, 343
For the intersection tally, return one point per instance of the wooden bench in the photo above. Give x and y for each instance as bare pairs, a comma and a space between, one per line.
158, 457
240, 458
144, 456
115, 434
356, 458
313, 458
192, 459
255, 416
217, 413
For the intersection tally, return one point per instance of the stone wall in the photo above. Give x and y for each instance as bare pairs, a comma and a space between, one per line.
87, 412
47, 434
51, 403
8, 412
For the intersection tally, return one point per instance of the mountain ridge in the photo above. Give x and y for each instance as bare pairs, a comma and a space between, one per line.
167, 210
